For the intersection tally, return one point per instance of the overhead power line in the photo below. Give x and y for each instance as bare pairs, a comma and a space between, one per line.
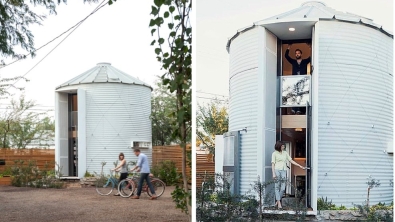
73, 27
211, 93
200, 97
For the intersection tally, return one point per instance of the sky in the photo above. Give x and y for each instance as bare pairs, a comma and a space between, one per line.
118, 34
217, 21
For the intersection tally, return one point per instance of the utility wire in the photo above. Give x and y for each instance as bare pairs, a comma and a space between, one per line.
210, 93
75, 27
210, 98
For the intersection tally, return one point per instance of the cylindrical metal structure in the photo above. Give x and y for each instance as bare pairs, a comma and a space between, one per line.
352, 101
113, 113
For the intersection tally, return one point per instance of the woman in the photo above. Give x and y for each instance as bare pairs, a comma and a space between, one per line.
279, 159
122, 168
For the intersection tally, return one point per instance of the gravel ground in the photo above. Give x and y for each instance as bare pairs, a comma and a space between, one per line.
83, 204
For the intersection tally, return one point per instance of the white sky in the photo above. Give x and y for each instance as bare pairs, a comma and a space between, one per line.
219, 20
118, 34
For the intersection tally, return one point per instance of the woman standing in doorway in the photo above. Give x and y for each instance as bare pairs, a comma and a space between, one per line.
122, 168
279, 159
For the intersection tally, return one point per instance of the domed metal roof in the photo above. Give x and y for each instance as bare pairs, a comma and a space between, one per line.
318, 10
311, 12
101, 73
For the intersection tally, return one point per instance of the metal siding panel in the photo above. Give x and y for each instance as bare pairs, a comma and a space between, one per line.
246, 72
270, 87
61, 133
243, 107
355, 109
81, 99
244, 52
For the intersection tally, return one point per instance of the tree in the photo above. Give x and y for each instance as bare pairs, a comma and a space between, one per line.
211, 120
162, 115
15, 18
19, 126
176, 59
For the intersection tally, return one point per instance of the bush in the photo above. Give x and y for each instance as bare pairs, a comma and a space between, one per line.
167, 172
378, 212
31, 176
324, 204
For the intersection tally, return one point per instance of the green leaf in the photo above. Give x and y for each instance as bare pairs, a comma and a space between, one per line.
171, 25
152, 22
154, 10
161, 41
165, 81
158, 50
110, 2
158, 21
172, 34
158, 2
177, 17
166, 54
152, 31
166, 15
171, 9
153, 42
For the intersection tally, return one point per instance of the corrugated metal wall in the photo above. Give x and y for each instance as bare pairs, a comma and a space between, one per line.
116, 115
253, 81
355, 123
243, 110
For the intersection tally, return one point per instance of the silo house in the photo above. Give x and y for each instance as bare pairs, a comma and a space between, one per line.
99, 114
333, 109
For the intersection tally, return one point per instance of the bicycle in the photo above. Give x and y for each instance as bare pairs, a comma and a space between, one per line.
128, 186
105, 184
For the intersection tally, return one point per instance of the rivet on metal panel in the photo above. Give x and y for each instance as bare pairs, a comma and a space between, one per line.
352, 151
329, 123
372, 126
326, 174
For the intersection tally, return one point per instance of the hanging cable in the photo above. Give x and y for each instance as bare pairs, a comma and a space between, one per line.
73, 27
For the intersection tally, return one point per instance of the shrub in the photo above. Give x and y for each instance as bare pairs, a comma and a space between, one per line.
167, 172
324, 204
378, 212
30, 175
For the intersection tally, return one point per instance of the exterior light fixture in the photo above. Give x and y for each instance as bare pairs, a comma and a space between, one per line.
291, 29
298, 129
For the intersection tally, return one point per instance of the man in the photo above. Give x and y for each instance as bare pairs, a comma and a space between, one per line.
143, 165
299, 67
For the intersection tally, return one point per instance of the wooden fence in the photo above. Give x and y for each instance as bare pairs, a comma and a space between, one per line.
40, 156
205, 167
173, 153
204, 163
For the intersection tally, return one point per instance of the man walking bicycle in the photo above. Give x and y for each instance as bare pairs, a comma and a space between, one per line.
143, 168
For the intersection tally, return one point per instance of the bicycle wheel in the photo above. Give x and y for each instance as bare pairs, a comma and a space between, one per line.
159, 187
104, 186
126, 187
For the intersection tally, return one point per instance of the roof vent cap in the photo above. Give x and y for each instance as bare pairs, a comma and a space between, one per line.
313, 3
103, 64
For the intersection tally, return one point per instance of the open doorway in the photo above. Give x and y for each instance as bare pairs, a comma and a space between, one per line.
73, 135
296, 61
295, 141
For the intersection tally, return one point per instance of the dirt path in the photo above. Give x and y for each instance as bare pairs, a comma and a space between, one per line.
83, 204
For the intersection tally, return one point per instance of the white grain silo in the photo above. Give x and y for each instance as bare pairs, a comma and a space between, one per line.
99, 114
344, 133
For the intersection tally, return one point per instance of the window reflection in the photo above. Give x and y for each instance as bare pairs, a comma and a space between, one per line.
295, 90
